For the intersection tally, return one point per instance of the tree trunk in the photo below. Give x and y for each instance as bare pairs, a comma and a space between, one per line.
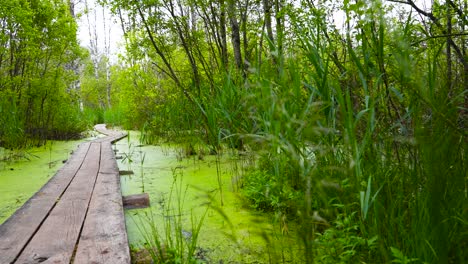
449, 51
464, 113
267, 11
108, 87
235, 35
222, 33
107, 53
193, 18
244, 33
279, 29
184, 34
71, 4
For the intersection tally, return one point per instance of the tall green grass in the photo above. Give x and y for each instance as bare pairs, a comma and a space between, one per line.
374, 151
171, 242
61, 120
356, 136
12, 131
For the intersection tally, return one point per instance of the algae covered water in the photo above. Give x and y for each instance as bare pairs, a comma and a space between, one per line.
183, 191
231, 232
24, 172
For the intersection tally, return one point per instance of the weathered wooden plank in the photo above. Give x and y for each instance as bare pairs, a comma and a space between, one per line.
126, 172
104, 236
56, 239
112, 135
111, 139
136, 201
21, 226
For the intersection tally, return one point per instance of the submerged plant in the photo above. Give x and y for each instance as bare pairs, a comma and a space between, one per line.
170, 241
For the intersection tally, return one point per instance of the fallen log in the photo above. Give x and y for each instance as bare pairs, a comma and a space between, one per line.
136, 201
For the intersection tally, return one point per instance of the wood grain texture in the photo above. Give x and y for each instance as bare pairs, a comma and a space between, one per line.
56, 239
76, 217
104, 236
136, 201
21, 226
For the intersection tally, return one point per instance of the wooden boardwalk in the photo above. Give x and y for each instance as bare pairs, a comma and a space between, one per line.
76, 217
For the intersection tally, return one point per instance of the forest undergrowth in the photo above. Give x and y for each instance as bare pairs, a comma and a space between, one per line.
359, 134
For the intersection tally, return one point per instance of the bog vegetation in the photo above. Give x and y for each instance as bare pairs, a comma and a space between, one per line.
356, 110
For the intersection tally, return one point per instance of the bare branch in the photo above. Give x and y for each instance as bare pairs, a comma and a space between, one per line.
439, 36
436, 21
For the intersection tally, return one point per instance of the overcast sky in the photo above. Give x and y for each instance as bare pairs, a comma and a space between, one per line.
98, 20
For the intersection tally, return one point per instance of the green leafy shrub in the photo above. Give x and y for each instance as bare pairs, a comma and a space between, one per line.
344, 242
267, 193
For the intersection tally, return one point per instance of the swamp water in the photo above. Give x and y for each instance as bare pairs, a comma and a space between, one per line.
229, 233
24, 172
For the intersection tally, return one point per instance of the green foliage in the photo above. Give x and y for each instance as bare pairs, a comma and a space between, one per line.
68, 122
268, 194
399, 257
343, 243
360, 130
92, 116
38, 48
12, 132
366, 200
113, 116
171, 243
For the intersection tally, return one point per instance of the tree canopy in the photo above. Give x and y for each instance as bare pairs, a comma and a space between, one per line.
37, 52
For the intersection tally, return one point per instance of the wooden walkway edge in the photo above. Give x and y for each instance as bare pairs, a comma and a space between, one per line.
76, 217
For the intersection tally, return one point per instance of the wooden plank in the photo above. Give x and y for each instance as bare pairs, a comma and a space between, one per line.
136, 201
101, 128
104, 236
21, 226
111, 139
112, 135
56, 239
